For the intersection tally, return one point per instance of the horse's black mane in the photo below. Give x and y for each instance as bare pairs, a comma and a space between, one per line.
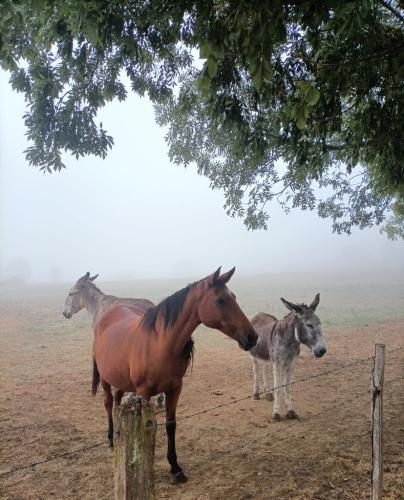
169, 308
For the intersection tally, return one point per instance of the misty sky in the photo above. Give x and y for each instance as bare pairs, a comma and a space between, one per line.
135, 215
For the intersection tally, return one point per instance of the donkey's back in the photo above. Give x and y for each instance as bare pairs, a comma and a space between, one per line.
263, 324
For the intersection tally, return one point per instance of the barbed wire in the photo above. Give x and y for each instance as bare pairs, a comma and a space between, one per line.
296, 422
272, 389
55, 457
322, 374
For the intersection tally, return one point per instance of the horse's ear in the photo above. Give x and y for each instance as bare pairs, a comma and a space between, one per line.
292, 307
225, 277
315, 302
93, 277
214, 278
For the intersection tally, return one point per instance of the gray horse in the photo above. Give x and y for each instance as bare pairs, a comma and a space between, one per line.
279, 342
86, 295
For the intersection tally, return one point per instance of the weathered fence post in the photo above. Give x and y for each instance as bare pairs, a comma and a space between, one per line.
377, 422
134, 440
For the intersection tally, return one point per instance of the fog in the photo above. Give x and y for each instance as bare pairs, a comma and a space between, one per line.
136, 215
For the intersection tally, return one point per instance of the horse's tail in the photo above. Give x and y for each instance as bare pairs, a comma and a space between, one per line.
96, 378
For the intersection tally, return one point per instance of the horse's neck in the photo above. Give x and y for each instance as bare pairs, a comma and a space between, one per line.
186, 323
93, 300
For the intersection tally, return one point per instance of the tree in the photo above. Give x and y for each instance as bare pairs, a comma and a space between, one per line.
315, 83
394, 227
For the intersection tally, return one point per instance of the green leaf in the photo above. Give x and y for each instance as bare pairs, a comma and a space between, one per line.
301, 117
257, 78
205, 50
303, 86
313, 95
218, 51
212, 67
203, 82
252, 66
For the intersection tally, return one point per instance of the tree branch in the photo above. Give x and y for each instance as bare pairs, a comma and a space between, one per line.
392, 10
381, 53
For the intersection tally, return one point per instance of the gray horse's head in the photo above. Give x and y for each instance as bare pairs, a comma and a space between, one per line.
74, 301
308, 328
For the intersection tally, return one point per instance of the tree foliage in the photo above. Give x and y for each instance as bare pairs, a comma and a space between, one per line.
298, 101
394, 226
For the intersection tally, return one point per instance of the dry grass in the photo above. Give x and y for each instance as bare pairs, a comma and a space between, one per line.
234, 452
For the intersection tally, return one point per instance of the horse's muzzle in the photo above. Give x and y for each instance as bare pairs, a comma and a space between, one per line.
248, 341
67, 315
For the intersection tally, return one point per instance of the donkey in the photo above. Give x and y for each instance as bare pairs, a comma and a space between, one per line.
279, 342
86, 295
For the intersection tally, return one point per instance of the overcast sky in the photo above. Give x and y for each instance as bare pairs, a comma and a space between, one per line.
135, 215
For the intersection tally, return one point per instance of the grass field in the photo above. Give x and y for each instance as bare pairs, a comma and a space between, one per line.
46, 408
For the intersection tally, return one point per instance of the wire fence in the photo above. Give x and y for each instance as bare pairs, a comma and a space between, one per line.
297, 422
238, 448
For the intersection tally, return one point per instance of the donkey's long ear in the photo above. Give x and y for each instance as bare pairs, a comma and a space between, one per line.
225, 277
292, 307
84, 278
315, 302
93, 277
214, 278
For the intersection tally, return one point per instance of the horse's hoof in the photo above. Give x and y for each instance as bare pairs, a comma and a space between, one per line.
291, 414
269, 396
110, 444
276, 417
256, 397
178, 478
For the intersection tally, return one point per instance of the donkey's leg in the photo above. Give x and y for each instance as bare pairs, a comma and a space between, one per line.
265, 375
159, 401
176, 474
276, 416
108, 401
288, 390
256, 388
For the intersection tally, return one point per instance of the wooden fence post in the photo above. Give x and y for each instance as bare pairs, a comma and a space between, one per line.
377, 422
134, 440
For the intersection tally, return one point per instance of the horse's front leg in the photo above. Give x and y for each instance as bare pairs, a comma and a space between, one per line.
118, 397
288, 390
177, 475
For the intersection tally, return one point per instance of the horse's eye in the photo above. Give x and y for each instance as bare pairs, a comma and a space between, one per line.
310, 325
221, 301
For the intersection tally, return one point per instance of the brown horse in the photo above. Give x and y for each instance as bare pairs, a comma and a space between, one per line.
148, 354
